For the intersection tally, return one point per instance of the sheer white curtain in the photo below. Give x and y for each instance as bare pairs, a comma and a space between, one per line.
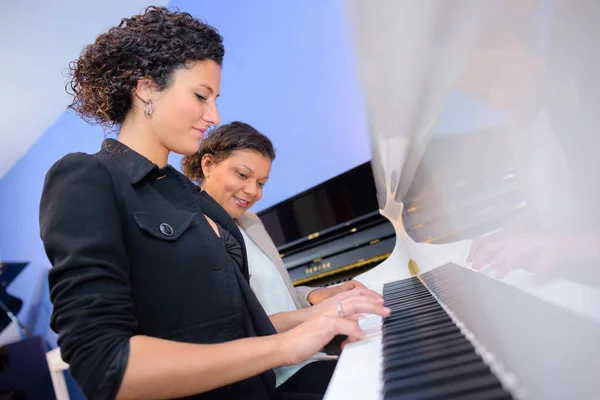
410, 55
484, 117
533, 64
408, 64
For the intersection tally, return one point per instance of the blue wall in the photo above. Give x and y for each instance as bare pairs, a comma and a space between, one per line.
288, 70
20, 192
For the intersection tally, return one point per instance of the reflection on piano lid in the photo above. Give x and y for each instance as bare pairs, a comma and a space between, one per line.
334, 231
439, 344
457, 193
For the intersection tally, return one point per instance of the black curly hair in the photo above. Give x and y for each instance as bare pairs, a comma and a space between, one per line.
151, 45
223, 141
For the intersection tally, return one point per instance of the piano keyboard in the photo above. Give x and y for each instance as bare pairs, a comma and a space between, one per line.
457, 334
425, 354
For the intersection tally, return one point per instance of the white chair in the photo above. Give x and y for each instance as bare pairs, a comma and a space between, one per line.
57, 371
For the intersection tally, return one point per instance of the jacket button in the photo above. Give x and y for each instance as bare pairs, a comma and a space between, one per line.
166, 229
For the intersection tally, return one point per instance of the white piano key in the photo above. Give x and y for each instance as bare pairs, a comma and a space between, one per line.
358, 375
371, 324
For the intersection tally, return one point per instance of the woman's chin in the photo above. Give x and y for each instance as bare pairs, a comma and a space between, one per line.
187, 148
235, 212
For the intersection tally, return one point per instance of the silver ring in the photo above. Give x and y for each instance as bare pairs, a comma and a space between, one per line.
340, 310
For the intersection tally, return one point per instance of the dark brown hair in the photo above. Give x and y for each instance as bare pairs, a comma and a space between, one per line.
150, 45
224, 140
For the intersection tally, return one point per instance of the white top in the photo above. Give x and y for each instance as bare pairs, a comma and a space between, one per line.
549, 175
270, 289
266, 281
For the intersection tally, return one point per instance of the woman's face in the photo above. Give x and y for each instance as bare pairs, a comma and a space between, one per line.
236, 182
506, 76
184, 111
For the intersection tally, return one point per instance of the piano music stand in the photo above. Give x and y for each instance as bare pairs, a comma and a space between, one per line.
10, 305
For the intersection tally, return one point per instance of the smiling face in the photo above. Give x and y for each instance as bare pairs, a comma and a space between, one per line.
236, 182
184, 111
504, 70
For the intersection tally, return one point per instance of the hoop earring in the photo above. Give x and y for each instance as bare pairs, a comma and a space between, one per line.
148, 109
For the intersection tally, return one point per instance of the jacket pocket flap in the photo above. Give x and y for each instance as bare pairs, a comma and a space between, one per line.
163, 225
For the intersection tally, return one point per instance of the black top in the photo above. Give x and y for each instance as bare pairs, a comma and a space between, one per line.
133, 254
233, 247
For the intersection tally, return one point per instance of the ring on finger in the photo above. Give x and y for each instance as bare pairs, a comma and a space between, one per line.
340, 310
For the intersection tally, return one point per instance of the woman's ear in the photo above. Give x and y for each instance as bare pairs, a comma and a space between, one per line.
207, 164
145, 90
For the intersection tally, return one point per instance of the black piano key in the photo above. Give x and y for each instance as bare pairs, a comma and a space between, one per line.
404, 289
402, 300
438, 378
437, 365
418, 328
489, 394
407, 295
420, 310
402, 311
402, 332
419, 322
416, 312
451, 351
459, 388
415, 286
393, 349
400, 307
395, 326
409, 292
400, 304
422, 347
400, 319
447, 333
406, 312
416, 322
414, 315
412, 312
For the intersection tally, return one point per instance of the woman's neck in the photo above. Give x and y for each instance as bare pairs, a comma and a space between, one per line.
140, 139
203, 188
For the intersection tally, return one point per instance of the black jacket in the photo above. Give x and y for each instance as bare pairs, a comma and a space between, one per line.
132, 254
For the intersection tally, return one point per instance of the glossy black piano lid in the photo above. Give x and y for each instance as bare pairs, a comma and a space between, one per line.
336, 201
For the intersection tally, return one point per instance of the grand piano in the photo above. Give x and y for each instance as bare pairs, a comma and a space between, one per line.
438, 346
525, 191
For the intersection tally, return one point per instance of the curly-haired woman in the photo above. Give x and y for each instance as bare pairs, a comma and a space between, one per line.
150, 276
